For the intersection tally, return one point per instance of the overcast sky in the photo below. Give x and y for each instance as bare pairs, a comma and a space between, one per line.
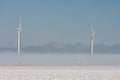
66, 21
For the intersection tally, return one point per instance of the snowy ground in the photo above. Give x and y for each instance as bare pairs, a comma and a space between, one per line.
58, 73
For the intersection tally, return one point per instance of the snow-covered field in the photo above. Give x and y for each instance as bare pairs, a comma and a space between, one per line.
59, 73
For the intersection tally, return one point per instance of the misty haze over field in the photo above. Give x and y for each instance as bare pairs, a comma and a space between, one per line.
54, 59
59, 47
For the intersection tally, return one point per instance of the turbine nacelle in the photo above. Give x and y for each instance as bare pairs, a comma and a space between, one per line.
18, 29
92, 34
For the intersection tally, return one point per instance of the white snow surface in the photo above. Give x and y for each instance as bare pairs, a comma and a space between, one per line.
59, 73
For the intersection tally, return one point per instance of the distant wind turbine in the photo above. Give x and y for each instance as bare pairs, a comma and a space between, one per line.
18, 31
92, 40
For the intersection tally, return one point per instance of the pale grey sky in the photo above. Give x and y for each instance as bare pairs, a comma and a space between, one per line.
66, 21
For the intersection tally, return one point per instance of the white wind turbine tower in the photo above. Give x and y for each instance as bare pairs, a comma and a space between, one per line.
18, 31
92, 40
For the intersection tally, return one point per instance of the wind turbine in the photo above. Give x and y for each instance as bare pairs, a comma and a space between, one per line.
92, 40
18, 31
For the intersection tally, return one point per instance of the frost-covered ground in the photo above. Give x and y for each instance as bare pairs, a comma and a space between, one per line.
59, 73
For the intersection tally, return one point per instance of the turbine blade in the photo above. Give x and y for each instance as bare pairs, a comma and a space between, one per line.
92, 27
20, 22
